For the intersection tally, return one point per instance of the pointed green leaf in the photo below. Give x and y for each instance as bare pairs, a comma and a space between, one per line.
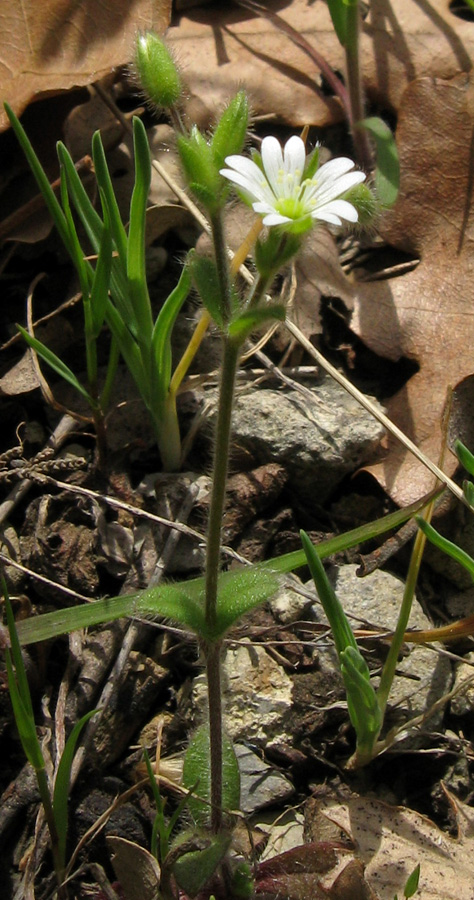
464, 456
94, 227
104, 182
42, 180
136, 236
412, 883
20, 691
204, 274
446, 546
161, 339
57, 364
196, 772
130, 351
24, 723
338, 12
76, 252
387, 171
248, 321
101, 279
341, 630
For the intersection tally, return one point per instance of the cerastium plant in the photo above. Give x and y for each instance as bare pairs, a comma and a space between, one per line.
290, 193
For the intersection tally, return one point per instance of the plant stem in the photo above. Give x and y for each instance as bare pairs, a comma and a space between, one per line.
354, 81
222, 263
213, 650
168, 435
214, 695
221, 454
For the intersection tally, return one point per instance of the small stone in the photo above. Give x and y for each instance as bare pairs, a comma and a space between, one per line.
289, 606
257, 694
260, 785
318, 443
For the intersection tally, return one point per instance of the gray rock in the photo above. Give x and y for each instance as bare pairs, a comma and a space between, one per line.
260, 785
374, 601
257, 694
318, 442
288, 605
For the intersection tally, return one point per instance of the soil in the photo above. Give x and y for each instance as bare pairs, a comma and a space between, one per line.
79, 542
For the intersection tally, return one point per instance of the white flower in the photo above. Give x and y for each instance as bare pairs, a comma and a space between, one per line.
285, 189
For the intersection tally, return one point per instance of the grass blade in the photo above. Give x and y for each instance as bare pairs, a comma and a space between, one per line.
387, 171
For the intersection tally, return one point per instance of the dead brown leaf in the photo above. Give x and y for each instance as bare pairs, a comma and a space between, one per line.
222, 49
59, 44
426, 315
390, 841
137, 870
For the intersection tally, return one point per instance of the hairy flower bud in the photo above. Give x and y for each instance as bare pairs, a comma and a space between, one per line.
230, 131
157, 71
363, 199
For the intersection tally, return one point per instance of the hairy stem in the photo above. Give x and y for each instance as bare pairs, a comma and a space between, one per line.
221, 454
213, 650
222, 263
214, 695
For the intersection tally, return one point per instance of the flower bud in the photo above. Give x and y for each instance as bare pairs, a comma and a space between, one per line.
200, 169
365, 202
157, 71
230, 131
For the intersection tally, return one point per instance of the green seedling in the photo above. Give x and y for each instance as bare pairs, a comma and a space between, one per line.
366, 705
411, 885
115, 291
364, 710
54, 799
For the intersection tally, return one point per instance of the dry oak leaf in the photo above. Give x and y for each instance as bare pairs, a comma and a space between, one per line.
59, 44
223, 47
391, 840
426, 315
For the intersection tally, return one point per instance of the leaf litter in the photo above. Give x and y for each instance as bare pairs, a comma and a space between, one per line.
426, 314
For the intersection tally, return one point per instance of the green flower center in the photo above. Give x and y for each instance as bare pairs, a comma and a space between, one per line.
292, 207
